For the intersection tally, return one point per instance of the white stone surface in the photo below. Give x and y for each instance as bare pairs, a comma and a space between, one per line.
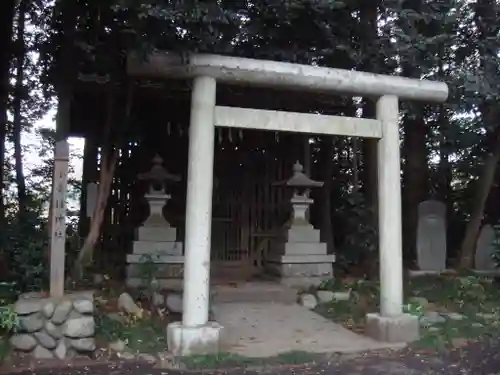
303, 259
157, 234
156, 248
389, 208
268, 329
156, 202
173, 302
325, 296
296, 252
127, 304
267, 73
248, 118
308, 300
302, 233
199, 203
202, 339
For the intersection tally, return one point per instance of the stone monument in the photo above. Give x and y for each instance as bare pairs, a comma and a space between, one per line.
298, 257
431, 238
157, 255
485, 250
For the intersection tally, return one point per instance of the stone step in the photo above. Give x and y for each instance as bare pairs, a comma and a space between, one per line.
157, 248
254, 292
305, 248
156, 234
302, 259
258, 292
303, 234
160, 259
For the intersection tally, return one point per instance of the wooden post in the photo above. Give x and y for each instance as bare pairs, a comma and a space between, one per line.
58, 219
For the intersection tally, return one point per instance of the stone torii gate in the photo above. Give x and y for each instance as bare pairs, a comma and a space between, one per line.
195, 334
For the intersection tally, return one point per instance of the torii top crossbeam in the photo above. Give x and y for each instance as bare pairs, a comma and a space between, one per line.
265, 73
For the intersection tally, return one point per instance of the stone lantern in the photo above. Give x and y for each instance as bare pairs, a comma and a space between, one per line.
156, 240
157, 197
298, 257
301, 201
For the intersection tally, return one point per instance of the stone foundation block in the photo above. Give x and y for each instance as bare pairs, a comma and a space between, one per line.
149, 249
183, 341
398, 329
161, 233
161, 271
55, 328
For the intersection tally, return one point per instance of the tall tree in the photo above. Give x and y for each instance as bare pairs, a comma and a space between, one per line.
416, 130
488, 32
19, 94
7, 10
369, 42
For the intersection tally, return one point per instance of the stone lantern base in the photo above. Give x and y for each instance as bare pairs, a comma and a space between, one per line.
301, 261
156, 252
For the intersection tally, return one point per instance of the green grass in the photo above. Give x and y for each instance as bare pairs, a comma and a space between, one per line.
5, 348
465, 294
143, 336
228, 360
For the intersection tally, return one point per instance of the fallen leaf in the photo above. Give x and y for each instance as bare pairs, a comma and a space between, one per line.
459, 342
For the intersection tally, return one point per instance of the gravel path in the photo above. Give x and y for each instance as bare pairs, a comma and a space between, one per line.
478, 358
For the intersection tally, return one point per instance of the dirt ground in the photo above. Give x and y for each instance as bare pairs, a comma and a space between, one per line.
476, 358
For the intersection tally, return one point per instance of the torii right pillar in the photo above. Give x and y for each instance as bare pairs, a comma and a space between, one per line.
390, 324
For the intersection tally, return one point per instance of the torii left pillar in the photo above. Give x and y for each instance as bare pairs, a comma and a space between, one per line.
195, 334
391, 324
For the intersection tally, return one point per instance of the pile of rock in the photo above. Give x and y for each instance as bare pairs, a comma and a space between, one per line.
310, 300
55, 328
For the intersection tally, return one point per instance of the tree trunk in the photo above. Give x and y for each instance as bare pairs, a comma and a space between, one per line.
484, 183
326, 200
18, 119
89, 174
107, 172
370, 167
109, 159
7, 10
416, 176
415, 153
486, 20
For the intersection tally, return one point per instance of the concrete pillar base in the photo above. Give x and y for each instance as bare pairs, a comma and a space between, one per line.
396, 329
204, 339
